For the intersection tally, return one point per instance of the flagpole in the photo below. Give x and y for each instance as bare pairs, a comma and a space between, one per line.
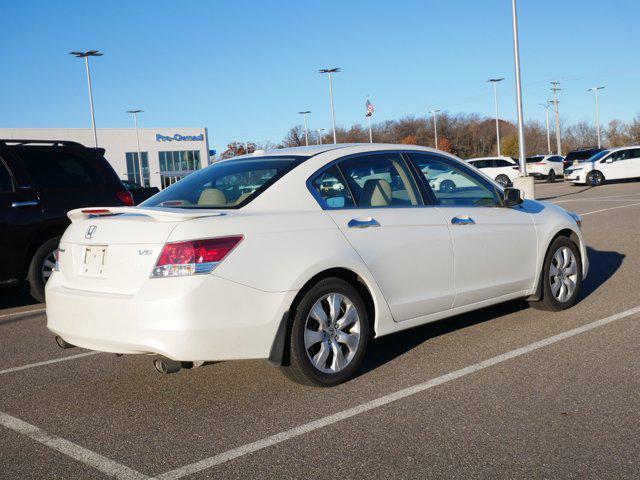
370, 134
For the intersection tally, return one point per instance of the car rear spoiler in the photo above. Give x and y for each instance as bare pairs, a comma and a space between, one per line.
157, 213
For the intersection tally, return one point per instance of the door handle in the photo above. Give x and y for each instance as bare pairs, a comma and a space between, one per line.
356, 223
463, 220
28, 203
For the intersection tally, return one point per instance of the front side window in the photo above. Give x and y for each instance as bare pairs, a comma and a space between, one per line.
58, 169
332, 188
452, 185
6, 182
380, 180
227, 184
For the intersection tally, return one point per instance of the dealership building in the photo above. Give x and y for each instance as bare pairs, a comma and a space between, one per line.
167, 154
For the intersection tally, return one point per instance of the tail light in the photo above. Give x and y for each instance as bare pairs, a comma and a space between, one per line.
194, 256
125, 197
539, 163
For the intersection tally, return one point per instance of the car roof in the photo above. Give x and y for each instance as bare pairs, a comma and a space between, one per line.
495, 157
615, 149
313, 150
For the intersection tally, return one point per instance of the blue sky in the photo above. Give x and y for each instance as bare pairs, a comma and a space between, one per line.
245, 68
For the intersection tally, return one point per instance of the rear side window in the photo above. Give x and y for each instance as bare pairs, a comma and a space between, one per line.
59, 169
6, 182
228, 184
504, 163
332, 188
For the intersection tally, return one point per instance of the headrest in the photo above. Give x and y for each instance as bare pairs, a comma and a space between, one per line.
212, 196
376, 193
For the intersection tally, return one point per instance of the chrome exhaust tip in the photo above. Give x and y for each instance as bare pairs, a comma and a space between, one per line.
166, 366
62, 343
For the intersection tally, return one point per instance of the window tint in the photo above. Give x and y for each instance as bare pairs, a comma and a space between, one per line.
227, 184
455, 186
332, 188
481, 163
59, 169
382, 180
504, 163
635, 153
6, 182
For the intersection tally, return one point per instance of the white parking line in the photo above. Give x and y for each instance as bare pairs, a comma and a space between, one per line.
70, 449
599, 198
47, 362
382, 401
611, 208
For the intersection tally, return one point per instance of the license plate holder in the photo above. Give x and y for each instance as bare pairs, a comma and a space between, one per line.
94, 261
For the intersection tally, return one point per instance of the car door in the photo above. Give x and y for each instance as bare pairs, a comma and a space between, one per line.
495, 247
20, 216
375, 202
622, 164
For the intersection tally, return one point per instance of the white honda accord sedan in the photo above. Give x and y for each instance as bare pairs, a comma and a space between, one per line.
255, 258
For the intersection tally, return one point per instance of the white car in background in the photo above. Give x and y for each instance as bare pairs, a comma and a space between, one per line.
613, 164
547, 167
502, 169
304, 275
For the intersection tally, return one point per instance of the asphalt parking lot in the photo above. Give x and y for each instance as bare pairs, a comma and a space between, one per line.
505, 392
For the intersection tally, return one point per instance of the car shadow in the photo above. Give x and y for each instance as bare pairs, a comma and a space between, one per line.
13, 297
602, 266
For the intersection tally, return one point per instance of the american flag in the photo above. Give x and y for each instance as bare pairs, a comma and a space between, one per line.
370, 108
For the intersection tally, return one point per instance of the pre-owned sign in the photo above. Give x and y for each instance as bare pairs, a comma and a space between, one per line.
179, 138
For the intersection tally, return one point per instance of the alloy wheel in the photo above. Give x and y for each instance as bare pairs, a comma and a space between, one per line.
563, 274
47, 266
332, 333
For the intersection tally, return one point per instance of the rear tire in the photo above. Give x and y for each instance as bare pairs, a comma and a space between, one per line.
328, 351
595, 178
561, 276
41, 267
447, 186
551, 177
503, 180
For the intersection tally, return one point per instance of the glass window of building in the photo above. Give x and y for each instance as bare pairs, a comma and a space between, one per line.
133, 168
174, 165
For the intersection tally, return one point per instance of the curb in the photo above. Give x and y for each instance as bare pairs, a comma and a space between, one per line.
21, 314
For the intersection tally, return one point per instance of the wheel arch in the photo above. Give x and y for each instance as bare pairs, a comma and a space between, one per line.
280, 347
564, 232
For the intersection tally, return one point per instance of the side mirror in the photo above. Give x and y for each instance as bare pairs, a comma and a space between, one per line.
609, 160
512, 197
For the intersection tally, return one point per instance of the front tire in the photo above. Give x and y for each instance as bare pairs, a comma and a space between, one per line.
329, 334
595, 178
41, 268
561, 276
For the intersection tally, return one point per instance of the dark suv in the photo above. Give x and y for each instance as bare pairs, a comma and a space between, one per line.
40, 181
580, 154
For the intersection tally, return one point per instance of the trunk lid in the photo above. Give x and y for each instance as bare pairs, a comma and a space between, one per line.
114, 250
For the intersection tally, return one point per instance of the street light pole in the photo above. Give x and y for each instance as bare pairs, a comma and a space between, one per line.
306, 132
546, 111
135, 122
516, 57
329, 71
595, 89
86, 55
495, 99
435, 126
320, 130
555, 89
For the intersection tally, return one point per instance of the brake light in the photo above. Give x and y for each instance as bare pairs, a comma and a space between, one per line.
97, 211
194, 256
125, 197
539, 163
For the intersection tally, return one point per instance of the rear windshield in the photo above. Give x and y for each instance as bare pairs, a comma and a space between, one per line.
579, 155
534, 159
227, 184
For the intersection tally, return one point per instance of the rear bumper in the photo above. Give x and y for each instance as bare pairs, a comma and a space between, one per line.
197, 318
